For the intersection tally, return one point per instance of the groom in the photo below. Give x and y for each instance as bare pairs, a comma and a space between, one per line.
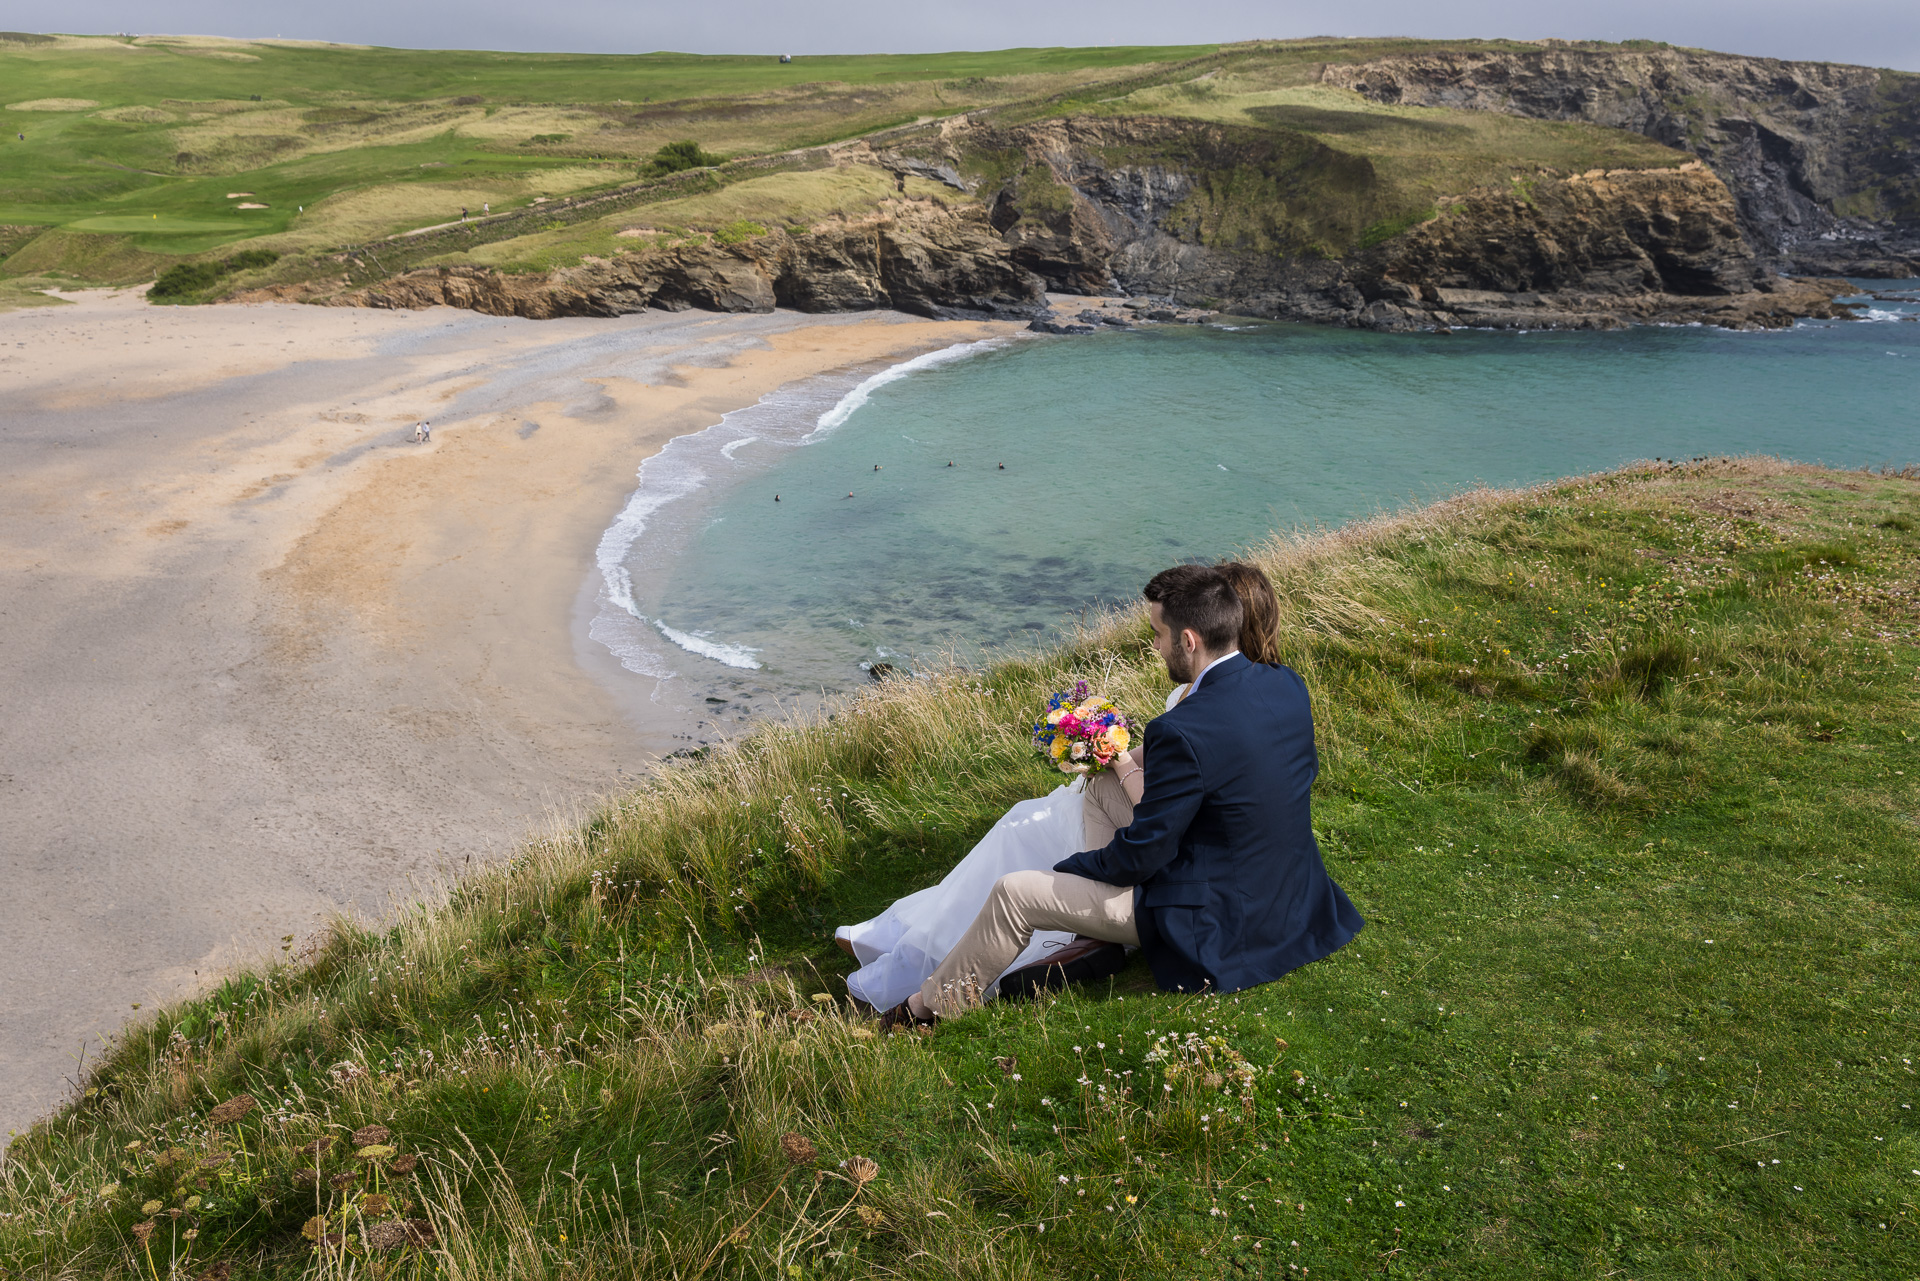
1217, 879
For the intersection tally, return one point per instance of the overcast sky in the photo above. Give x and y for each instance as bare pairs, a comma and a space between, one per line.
1875, 32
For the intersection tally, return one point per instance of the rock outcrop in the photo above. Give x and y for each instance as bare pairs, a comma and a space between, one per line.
1823, 159
920, 257
1203, 215
1141, 206
1594, 250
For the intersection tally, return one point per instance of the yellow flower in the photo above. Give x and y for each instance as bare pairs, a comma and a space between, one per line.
1119, 737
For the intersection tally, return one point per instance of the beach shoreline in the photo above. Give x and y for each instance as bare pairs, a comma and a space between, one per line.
269, 660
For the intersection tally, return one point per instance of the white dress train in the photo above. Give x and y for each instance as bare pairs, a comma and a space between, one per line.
899, 949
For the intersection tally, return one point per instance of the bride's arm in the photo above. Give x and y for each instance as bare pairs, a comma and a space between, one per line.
1132, 768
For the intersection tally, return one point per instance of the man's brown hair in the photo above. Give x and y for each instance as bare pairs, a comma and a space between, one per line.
1198, 597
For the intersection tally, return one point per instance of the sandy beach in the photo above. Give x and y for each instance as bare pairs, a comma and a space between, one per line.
265, 659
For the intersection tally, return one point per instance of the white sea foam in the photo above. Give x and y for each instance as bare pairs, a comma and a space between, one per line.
731, 655
628, 639
682, 468
893, 373
662, 479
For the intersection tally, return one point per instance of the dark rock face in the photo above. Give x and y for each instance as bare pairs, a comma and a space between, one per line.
924, 259
1594, 250
1823, 159
1628, 232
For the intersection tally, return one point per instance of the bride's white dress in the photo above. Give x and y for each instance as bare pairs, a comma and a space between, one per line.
902, 946
899, 949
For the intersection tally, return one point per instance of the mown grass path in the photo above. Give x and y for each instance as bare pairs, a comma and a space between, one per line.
1621, 771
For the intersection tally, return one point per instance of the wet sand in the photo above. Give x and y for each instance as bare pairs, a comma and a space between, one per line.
264, 659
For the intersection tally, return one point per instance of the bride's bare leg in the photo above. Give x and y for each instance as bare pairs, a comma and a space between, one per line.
1019, 904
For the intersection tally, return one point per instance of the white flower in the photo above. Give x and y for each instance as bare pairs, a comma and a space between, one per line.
1399, 1205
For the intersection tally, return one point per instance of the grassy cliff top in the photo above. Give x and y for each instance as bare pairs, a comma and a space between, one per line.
1621, 770
130, 155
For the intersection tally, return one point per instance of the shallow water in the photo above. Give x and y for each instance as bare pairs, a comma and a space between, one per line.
1021, 481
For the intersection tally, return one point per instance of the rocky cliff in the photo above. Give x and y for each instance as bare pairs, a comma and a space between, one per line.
921, 257
1587, 250
1267, 224
1256, 220
1823, 159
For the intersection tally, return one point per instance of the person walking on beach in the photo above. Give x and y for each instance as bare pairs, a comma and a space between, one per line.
422, 432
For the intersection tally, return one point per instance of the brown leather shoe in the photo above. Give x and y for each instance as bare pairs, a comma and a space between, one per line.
845, 945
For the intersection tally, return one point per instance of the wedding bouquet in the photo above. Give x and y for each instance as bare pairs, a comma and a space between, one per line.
1081, 731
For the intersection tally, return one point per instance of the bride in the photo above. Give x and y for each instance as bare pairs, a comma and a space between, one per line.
902, 946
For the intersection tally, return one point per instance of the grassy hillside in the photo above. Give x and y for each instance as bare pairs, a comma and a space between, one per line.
1622, 772
139, 153
146, 139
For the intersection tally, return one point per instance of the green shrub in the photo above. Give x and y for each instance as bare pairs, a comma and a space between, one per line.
186, 278
183, 280
249, 259
678, 156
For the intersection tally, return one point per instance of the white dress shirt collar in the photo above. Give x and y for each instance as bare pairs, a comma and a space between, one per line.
1209, 667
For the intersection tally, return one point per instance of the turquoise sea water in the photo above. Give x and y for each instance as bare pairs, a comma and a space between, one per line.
1127, 452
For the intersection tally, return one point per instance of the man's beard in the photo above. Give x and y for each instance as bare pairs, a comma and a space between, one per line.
1180, 667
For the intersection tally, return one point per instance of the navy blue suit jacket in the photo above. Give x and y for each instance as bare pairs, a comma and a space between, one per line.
1229, 887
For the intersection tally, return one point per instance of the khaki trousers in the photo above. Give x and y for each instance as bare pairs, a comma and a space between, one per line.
1105, 808
1019, 904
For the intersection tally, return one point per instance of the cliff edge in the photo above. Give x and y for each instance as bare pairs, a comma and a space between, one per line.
1821, 157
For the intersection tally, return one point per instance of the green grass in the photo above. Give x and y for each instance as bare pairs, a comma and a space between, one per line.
1622, 772
155, 143
16, 294
164, 127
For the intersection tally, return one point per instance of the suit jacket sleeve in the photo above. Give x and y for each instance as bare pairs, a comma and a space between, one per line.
1152, 840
